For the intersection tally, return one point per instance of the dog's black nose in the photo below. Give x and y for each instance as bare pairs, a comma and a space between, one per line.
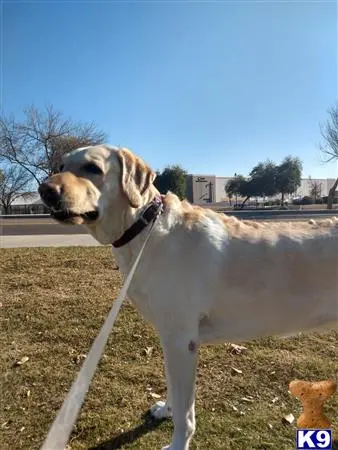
50, 194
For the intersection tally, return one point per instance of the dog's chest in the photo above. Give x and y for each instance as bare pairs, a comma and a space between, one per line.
141, 301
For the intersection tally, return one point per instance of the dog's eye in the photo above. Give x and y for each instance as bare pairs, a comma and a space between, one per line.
93, 168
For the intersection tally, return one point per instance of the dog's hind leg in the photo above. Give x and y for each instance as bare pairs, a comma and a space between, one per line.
181, 349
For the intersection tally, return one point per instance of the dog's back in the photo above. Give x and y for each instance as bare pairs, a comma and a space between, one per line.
276, 278
248, 279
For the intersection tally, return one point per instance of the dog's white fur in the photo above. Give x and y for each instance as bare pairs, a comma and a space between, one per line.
204, 276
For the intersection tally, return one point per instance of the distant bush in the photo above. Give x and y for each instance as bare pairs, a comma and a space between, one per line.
275, 202
335, 200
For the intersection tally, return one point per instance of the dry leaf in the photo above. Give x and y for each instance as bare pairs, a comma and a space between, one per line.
234, 408
270, 426
21, 429
152, 394
237, 370
274, 399
148, 351
246, 399
237, 349
23, 360
79, 358
28, 393
289, 418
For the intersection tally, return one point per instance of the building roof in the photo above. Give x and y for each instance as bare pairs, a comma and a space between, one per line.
31, 198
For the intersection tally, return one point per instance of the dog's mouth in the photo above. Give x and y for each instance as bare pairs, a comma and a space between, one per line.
67, 216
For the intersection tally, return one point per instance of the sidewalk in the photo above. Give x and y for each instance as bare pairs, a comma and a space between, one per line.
51, 240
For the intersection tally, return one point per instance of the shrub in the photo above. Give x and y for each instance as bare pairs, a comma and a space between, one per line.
335, 200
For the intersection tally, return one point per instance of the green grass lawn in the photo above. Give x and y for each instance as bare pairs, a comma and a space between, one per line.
53, 304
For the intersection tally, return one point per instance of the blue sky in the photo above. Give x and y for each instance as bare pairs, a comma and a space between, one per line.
214, 86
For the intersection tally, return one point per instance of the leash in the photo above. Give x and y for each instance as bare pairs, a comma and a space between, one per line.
62, 426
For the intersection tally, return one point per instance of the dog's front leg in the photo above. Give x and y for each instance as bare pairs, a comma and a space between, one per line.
163, 410
180, 351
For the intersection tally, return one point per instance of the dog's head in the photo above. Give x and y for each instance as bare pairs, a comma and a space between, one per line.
92, 177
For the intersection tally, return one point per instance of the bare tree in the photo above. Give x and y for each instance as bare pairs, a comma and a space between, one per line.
14, 182
329, 146
315, 189
37, 143
329, 132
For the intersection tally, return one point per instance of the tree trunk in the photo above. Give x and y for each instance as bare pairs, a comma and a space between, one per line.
282, 199
330, 197
242, 205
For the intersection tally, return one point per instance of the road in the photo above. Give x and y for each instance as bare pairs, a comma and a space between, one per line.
28, 226
37, 226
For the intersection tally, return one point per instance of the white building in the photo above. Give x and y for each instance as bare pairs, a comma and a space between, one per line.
27, 204
209, 188
324, 184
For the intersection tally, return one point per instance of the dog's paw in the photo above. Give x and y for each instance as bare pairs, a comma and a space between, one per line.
161, 411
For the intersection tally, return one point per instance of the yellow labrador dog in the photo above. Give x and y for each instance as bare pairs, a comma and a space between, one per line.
203, 277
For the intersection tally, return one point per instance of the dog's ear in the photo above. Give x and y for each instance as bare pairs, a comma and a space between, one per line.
136, 177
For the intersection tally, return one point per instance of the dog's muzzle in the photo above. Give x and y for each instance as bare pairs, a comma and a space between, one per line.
50, 194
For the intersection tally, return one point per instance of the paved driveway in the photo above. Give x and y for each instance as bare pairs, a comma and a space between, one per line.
48, 240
